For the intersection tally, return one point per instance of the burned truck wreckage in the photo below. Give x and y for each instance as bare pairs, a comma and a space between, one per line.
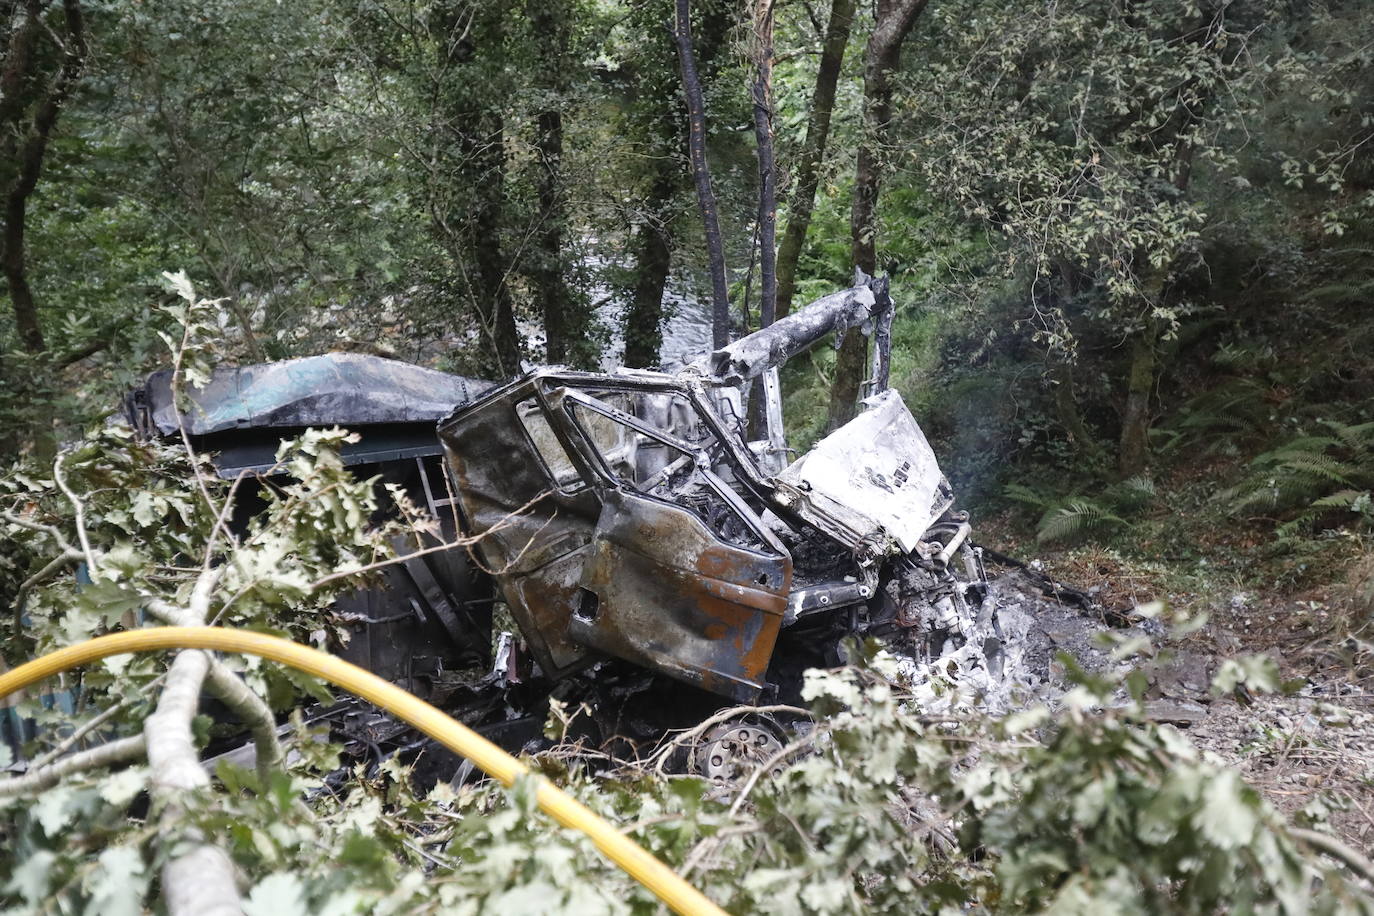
628, 522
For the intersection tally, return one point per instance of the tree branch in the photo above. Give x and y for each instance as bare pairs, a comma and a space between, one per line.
706, 198
78, 513
85, 729
49, 530
22, 593
763, 135
253, 711
227, 687
1336, 850
44, 777
103, 337
199, 879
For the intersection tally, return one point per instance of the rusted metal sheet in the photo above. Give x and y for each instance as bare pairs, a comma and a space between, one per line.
671, 596
534, 527
595, 564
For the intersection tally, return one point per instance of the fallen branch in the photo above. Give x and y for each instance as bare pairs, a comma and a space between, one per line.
1337, 850
63, 544
439, 548
78, 514
229, 689
21, 594
85, 729
45, 777
198, 877
252, 710
779, 756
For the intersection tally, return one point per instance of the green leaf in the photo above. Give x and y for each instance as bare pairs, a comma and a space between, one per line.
53, 809
120, 883
1257, 672
120, 788
279, 894
1228, 815
826, 896
180, 284
1025, 719
31, 877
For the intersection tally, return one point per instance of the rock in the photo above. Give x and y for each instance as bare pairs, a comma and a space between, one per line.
1187, 674
1177, 712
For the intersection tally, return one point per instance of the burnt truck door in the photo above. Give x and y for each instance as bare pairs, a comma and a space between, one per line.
532, 510
682, 577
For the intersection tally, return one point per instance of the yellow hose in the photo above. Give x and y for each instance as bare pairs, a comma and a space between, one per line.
620, 849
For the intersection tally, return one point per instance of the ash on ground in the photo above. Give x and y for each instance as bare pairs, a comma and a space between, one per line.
1017, 658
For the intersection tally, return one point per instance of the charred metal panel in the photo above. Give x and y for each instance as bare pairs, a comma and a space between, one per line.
535, 522
634, 545
346, 389
874, 484
671, 596
255, 450
751, 356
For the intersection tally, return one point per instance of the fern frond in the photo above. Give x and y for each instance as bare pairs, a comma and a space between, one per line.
1312, 477
1298, 526
1321, 467
1132, 494
1303, 445
1341, 499
1077, 517
1164, 441
1251, 495
1358, 436
1019, 492
1235, 406
1210, 421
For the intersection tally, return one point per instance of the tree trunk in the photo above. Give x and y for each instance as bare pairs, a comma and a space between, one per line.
492, 268
656, 123
565, 325
882, 55
560, 330
21, 296
467, 180
653, 258
803, 199
26, 144
30, 102
1134, 451
706, 198
763, 135
1066, 409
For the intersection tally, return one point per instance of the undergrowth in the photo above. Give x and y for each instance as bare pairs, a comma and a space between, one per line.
1311, 482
